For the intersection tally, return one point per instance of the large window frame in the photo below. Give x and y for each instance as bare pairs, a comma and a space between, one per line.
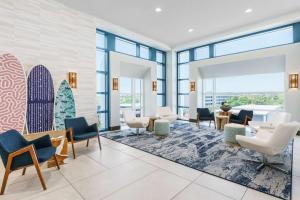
110, 45
211, 47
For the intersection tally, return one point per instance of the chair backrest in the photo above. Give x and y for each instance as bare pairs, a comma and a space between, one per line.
203, 112
277, 118
78, 125
243, 113
10, 141
163, 111
282, 135
128, 115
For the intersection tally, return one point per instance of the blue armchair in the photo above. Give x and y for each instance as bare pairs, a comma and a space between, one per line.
203, 114
18, 153
79, 130
243, 117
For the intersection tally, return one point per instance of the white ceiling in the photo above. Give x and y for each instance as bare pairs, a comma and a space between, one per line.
206, 17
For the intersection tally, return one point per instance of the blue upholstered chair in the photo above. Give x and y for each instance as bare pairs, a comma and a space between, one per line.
18, 153
203, 114
79, 130
243, 117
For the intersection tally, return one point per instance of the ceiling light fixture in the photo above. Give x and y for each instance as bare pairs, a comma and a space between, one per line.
158, 9
190, 30
249, 10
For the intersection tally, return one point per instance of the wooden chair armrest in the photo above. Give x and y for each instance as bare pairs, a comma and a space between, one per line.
69, 133
21, 151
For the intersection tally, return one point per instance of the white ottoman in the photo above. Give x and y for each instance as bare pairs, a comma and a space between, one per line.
161, 127
231, 130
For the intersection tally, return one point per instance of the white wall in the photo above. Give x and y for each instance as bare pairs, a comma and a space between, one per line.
292, 65
49, 33
150, 100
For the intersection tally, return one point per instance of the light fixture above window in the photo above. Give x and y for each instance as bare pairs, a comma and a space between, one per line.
249, 10
158, 9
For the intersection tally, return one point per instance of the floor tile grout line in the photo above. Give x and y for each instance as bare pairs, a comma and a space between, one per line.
244, 194
179, 192
127, 185
170, 171
72, 186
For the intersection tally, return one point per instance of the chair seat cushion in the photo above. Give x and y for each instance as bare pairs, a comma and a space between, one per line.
45, 154
236, 121
85, 136
25, 159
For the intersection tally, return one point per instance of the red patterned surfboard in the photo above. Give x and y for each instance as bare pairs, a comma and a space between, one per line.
12, 94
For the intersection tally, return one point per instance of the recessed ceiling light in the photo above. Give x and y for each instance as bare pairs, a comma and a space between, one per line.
190, 30
249, 10
158, 9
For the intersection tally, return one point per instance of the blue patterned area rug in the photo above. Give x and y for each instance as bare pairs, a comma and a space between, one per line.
204, 150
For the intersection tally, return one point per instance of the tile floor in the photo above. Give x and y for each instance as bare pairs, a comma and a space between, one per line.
125, 173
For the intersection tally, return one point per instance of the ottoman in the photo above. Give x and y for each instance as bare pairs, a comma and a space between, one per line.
231, 130
161, 127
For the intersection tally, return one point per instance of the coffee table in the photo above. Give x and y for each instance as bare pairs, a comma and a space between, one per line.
59, 140
221, 121
151, 123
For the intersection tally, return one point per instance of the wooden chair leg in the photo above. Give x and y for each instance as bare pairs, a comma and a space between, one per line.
209, 122
38, 169
73, 149
99, 142
87, 142
56, 162
24, 171
5, 178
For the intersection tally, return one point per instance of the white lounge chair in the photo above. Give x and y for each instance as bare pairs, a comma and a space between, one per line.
135, 122
166, 113
274, 119
270, 144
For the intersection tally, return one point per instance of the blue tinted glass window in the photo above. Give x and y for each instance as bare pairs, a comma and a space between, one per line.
159, 56
144, 52
202, 53
256, 41
125, 46
184, 57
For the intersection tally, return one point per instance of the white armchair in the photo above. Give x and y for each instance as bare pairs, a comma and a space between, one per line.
166, 113
274, 119
135, 122
270, 144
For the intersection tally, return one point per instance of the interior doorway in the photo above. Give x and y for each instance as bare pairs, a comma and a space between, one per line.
131, 97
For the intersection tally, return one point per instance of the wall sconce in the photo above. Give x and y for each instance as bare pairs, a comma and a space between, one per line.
154, 86
293, 81
115, 84
73, 79
192, 86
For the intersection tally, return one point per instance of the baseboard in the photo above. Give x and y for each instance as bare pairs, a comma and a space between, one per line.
115, 128
193, 120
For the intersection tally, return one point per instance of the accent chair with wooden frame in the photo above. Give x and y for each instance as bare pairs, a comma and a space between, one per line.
243, 117
18, 153
78, 130
203, 114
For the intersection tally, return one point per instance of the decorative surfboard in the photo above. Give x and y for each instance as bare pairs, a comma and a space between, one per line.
40, 100
12, 94
64, 105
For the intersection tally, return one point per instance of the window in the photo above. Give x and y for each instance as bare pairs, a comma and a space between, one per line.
144, 52
161, 78
159, 57
259, 92
256, 41
125, 46
102, 81
184, 57
202, 53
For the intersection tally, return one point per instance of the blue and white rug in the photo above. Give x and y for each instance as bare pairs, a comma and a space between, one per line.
204, 150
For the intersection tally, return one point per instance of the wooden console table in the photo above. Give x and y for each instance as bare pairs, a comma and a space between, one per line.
59, 140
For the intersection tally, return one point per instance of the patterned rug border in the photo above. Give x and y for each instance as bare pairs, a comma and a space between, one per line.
291, 176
